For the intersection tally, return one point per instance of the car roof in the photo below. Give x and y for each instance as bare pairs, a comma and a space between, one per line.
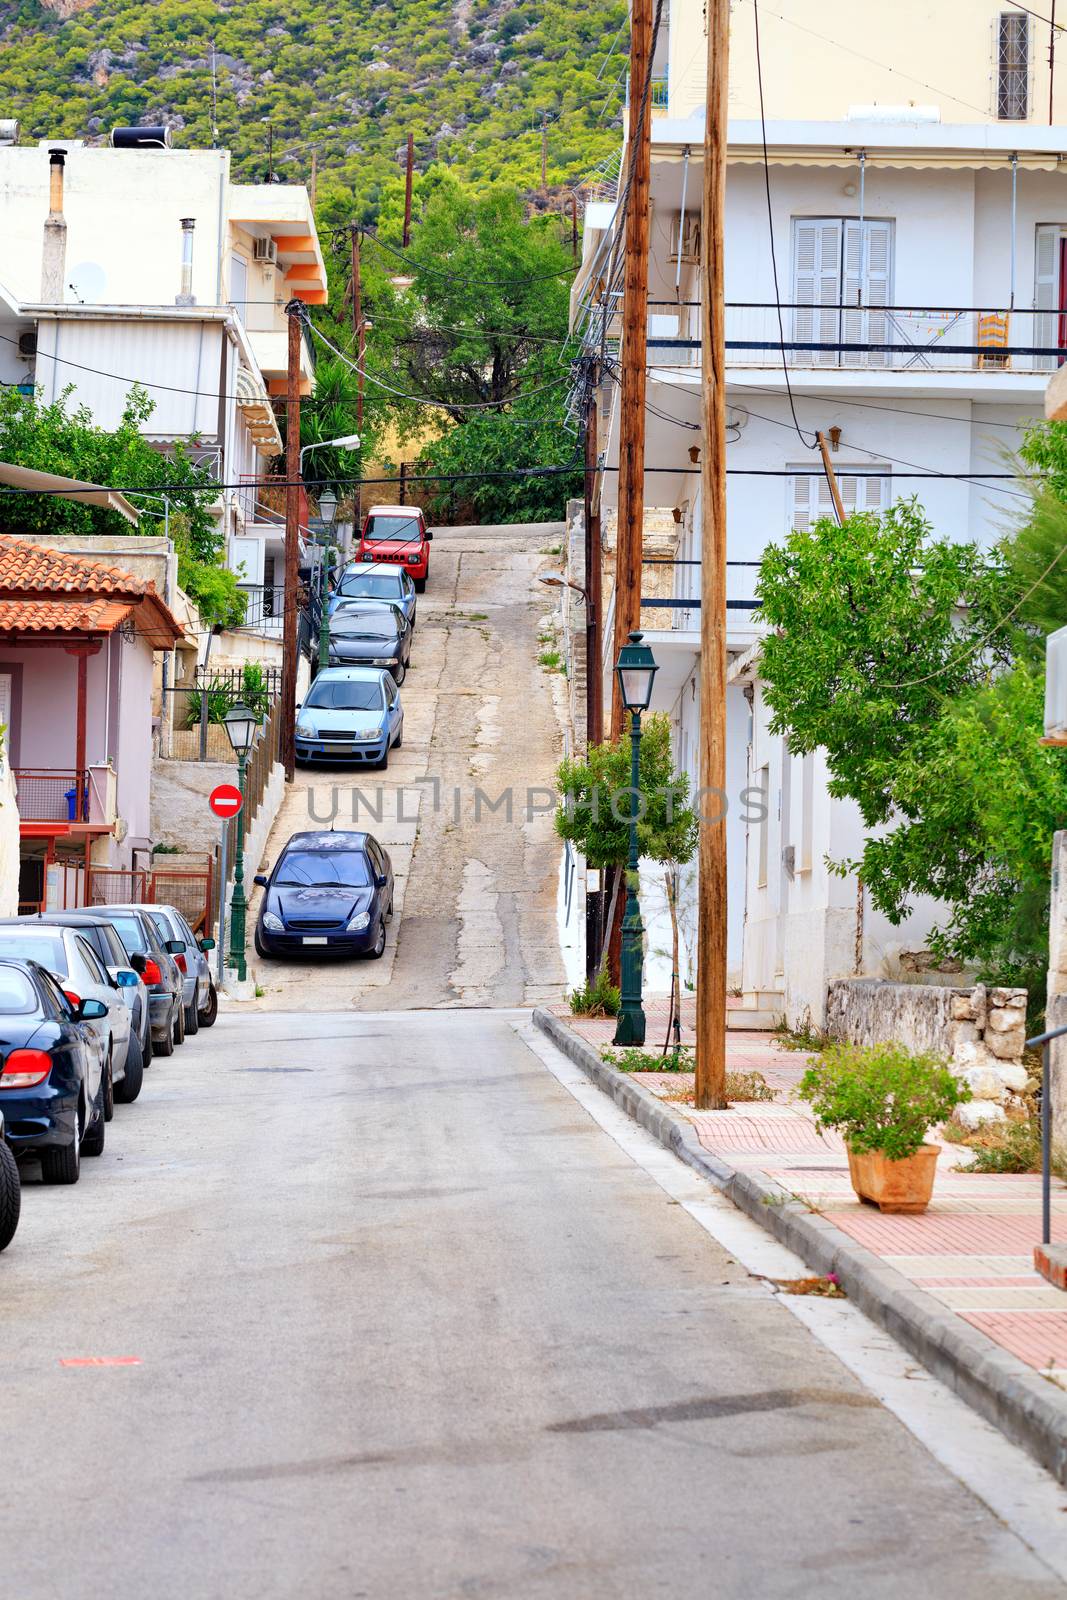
352, 674
27, 925
364, 569
60, 919
394, 511
332, 839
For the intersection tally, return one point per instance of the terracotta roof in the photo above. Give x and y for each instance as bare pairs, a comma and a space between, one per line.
49, 591
30, 568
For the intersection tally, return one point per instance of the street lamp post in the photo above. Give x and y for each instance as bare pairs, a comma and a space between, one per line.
635, 670
240, 723
327, 515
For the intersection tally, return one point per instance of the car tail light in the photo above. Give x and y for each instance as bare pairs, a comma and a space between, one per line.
151, 973
75, 999
24, 1069
179, 962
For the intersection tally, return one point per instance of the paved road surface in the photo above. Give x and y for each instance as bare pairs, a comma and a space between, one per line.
413, 1327
476, 892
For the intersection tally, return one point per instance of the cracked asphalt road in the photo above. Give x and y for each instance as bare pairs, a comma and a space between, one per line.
464, 808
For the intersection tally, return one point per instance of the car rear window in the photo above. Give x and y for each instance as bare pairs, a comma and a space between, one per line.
47, 948
17, 994
131, 934
393, 528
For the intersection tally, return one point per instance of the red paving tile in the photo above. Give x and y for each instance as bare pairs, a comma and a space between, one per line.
1037, 1337
936, 1234
1030, 1280
731, 1130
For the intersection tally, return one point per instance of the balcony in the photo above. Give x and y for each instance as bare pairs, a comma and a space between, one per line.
66, 796
902, 339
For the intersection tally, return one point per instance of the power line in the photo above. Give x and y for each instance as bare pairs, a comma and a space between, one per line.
465, 278
429, 400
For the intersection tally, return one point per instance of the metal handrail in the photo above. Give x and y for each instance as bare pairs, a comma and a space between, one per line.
1044, 1039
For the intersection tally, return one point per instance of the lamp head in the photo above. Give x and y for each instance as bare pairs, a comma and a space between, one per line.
241, 723
636, 668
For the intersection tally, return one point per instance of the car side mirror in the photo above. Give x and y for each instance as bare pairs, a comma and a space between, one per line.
261, 879
207, 944
137, 963
380, 880
91, 1011
175, 947
126, 978
429, 535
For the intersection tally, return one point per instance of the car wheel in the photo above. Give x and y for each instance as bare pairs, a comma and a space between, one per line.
108, 1081
389, 912
420, 585
96, 1132
399, 740
62, 1164
209, 1015
192, 1019
264, 954
383, 764
10, 1196
179, 1023
130, 1087
165, 1047
379, 943
400, 674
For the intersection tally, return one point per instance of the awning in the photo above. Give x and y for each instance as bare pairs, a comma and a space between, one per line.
89, 494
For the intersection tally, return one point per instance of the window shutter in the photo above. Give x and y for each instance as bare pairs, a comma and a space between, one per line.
816, 282
810, 497
867, 282
1047, 290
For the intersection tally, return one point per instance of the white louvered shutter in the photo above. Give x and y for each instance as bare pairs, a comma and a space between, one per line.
810, 496
868, 274
816, 282
1046, 291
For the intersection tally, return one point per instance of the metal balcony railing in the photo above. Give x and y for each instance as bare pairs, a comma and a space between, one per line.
49, 794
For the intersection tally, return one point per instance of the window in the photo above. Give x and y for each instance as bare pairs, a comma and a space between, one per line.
809, 497
47, 948
92, 960
1013, 66
763, 783
345, 694
843, 270
807, 812
17, 994
239, 285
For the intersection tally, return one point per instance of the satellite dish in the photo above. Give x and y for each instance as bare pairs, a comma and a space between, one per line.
88, 282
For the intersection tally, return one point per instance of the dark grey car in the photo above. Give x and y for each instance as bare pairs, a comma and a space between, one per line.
165, 998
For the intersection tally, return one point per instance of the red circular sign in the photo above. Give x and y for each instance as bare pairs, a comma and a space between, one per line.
225, 801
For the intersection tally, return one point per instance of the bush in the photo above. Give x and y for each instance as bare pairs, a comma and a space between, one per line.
881, 1096
597, 999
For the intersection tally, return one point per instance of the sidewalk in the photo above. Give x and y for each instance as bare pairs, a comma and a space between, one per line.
972, 1251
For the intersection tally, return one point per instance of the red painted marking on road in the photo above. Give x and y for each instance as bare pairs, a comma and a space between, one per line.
100, 1361
225, 800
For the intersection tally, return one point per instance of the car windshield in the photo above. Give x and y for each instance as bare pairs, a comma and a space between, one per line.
383, 586
365, 625
47, 948
344, 694
131, 934
17, 994
406, 528
161, 925
322, 869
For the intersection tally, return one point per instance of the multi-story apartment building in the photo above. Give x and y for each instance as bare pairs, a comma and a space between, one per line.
921, 256
148, 265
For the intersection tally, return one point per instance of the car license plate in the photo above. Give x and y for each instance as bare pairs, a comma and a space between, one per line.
336, 749
306, 940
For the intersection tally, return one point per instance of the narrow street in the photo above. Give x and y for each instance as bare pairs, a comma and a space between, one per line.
475, 906
408, 1322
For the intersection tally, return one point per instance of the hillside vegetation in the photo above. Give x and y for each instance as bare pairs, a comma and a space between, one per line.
470, 80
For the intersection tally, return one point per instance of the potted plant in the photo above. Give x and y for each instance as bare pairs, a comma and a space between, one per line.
884, 1099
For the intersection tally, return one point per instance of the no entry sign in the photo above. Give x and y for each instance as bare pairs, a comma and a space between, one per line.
225, 801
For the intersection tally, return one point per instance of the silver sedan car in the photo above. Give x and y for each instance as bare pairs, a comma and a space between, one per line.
198, 986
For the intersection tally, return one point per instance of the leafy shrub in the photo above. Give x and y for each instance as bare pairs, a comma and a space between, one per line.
881, 1097
597, 999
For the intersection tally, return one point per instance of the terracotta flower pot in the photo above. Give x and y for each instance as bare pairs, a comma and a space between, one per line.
895, 1185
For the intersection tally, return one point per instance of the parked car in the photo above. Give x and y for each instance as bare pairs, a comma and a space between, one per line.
397, 534
327, 892
51, 1081
158, 969
198, 987
69, 957
10, 1189
371, 638
367, 603
363, 581
103, 936
350, 714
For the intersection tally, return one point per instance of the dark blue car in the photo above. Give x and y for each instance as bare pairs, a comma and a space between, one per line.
51, 1086
327, 892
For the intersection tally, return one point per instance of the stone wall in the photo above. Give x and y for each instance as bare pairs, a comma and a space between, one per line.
980, 1031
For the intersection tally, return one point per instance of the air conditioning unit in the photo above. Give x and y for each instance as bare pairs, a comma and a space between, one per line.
265, 251
28, 344
685, 231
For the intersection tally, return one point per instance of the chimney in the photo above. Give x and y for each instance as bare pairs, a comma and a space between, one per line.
186, 297
54, 255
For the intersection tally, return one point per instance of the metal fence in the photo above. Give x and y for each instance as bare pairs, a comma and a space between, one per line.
52, 795
195, 712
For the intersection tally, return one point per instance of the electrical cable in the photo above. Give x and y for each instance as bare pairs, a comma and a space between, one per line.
428, 400
813, 442
454, 277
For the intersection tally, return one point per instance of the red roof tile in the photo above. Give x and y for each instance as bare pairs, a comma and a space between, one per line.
62, 616
31, 568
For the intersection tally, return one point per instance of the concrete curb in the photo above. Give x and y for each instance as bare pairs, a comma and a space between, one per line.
1026, 1407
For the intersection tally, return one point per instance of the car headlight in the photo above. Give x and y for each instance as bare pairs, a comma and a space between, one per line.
305, 729
273, 922
385, 661
413, 561
360, 921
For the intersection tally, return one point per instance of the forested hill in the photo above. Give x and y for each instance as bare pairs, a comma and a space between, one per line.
472, 80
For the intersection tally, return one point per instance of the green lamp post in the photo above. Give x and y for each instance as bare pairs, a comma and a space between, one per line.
327, 514
635, 670
240, 723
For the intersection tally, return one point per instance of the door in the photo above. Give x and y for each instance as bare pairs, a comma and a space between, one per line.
1050, 294
844, 266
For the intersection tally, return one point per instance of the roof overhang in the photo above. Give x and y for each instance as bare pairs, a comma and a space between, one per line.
30, 481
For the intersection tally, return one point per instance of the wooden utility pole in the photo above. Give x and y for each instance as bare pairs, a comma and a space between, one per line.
408, 180
711, 928
628, 544
594, 666
314, 178
360, 331
544, 152
574, 226
291, 631
831, 478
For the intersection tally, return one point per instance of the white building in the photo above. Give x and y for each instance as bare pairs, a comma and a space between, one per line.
919, 265
149, 266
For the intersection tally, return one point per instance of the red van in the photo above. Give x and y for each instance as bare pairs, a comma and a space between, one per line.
397, 534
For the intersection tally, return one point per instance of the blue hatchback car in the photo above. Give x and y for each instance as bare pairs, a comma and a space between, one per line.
327, 892
350, 714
